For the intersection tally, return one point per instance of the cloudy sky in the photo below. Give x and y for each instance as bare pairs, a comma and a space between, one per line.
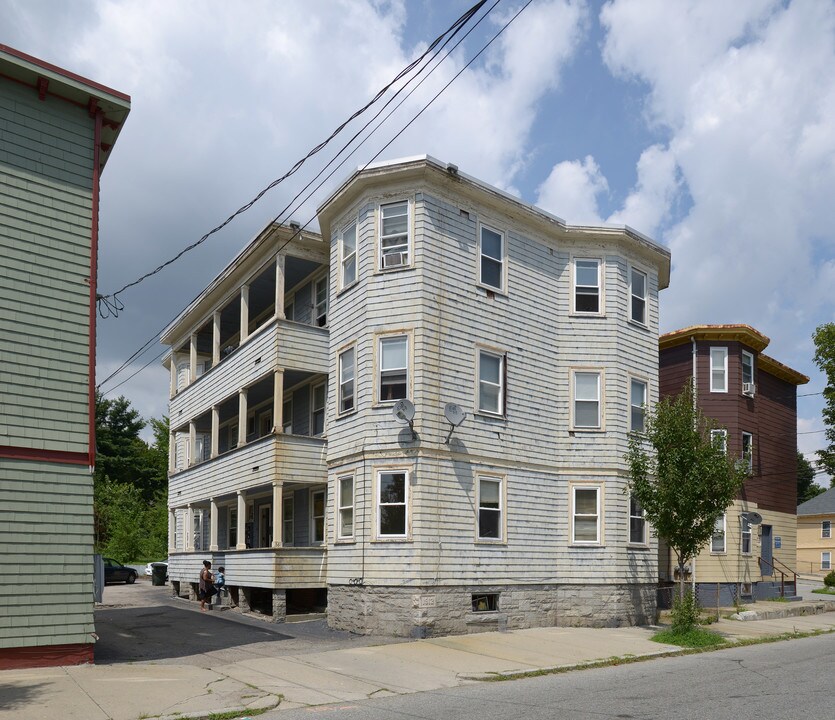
705, 124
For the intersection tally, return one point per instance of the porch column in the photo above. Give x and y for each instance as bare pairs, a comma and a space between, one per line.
278, 516
215, 451
213, 526
278, 401
172, 389
172, 451
215, 337
280, 264
188, 531
242, 419
241, 540
244, 312
172, 530
192, 358
192, 444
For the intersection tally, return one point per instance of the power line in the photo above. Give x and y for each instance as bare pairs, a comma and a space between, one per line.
111, 305
132, 375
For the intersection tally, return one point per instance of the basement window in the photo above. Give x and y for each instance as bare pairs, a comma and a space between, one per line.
485, 602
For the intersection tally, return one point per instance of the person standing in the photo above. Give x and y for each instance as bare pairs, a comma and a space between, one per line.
206, 588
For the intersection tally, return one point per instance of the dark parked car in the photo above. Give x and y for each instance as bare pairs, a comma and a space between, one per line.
116, 572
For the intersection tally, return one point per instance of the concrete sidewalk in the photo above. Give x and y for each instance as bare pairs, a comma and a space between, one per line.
188, 688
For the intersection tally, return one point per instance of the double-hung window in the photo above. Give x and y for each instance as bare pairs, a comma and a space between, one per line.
288, 531
394, 368
638, 296
491, 376
748, 451
318, 410
717, 542
586, 515
826, 529
346, 507
346, 380
586, 286
317, 516
718, 369
348, 255
745, 535
586, 400
637, 523
637, 405
320, 290
747, 373
392, 503
489, 508
287, 415
826, 560
491, 258
719, 438
394, 235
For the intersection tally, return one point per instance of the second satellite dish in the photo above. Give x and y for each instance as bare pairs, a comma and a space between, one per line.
404, 411
454, 414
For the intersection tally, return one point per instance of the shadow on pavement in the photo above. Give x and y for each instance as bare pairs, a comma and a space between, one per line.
161, 632
14, 697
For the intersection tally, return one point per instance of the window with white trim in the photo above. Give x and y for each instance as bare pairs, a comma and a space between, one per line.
287, 516
346, 380
826, 560
637, 405
747, 368
489, 507
345, 502
232, 526
491, 258
348, 255
287, 415
719, 438
717, 542
748, 451
393, 360
317, 418
637, 523
317, 516
586, 388
392, 503
585, 526
320, 302
197, 529
394, 235
718, 369
826, 529
586, 285
638, 296
745, 535
491, 376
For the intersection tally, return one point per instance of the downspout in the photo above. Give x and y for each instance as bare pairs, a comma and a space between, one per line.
695, 407
94, 249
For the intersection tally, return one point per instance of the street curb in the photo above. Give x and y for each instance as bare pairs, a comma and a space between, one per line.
259, 706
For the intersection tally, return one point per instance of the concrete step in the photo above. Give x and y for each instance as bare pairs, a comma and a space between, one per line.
790, 609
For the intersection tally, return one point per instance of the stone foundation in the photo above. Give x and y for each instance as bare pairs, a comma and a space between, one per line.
430, 611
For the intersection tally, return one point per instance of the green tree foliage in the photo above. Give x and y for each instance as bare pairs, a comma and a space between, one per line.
806, 486
130, 483
682, 480
824, 338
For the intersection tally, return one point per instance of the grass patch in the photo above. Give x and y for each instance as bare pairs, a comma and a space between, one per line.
824, 591
235, 714
694, 638
776, 599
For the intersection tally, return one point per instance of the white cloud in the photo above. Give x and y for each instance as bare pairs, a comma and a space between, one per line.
571, 191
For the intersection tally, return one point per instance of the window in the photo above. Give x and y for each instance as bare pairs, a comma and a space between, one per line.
485, 602
394, 235
287, 533
826, 561
489, 508
717, 543
586, 400
491, 382
320, 303
637, 523
826, 529
718, 369
392, 503
233, 528
638, 293
348, 255
287, 415
346, 380
318, 410
394, 369
586, 520
491, 258
317, 516
265, 422
587, 286
719, 438
197, 530
748, 451
346, 507
290, 310
747, 368
637, 405
233, 436
265, 526
745, 535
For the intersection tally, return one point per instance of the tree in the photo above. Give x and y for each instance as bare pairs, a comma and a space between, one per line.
682, 479
824, 338
806, 486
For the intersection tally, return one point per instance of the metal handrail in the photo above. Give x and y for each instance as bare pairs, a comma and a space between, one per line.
782, 575
794, 574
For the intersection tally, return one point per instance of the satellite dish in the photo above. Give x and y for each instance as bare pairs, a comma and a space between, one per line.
404, 411
454, 414
754, 517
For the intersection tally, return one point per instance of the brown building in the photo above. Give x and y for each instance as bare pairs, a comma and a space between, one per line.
753, 399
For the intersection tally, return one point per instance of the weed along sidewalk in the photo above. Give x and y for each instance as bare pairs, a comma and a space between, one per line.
211, 663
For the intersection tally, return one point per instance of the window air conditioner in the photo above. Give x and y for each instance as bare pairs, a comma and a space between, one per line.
391, 260
749, 389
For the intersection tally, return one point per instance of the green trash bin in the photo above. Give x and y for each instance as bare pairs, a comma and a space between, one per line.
158, 573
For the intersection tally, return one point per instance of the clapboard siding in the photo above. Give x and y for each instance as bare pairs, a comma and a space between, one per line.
266, 568
46, 164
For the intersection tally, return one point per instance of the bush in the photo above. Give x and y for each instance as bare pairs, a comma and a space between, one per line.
685, 613
829, 580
